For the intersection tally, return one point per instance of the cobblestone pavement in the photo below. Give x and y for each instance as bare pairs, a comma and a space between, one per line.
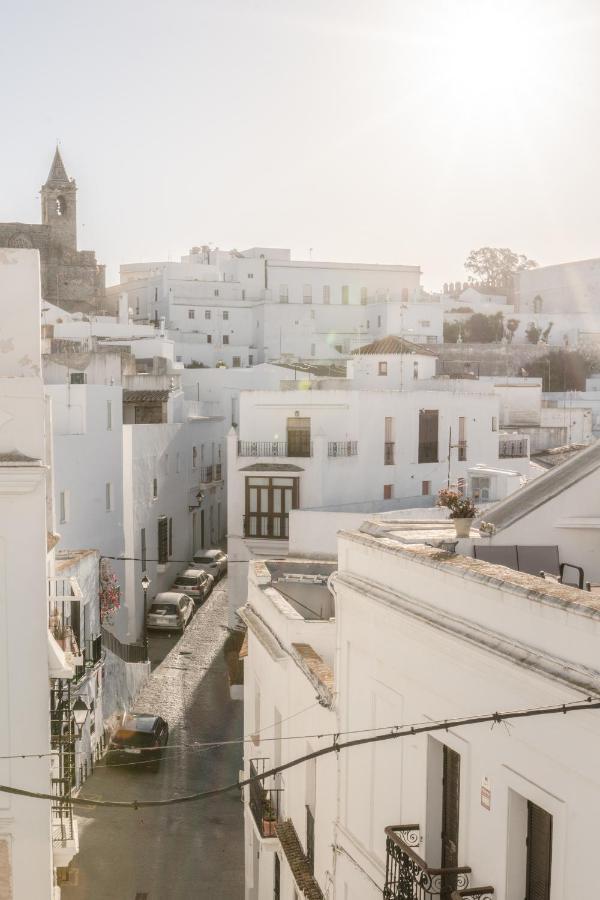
193, 850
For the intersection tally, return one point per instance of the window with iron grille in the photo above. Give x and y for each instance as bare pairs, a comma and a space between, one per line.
428, 435
225, 338
163, 540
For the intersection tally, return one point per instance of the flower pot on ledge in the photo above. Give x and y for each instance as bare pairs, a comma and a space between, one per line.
268, 827
462, 527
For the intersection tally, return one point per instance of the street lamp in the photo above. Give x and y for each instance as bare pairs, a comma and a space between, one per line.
80, 714
145, 585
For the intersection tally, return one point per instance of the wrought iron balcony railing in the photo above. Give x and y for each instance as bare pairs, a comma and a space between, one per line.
264, 801
342, 448
297, 448
408, 877
206, 474
91, 652
508, 449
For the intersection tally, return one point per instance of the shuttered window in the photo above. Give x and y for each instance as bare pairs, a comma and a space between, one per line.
450, 817
539, 852
163, 540
143, 546
170, 537
428, 435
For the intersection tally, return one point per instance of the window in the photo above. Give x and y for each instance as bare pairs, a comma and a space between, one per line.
379, 321
388, 447
78, 378
156, 295
277, 879
207, 313
307, 293
191, 313
170, 536
494, 423
250, 274
177, 463
480, 488
283, 293
209, 338
109, 415
388, 491
539, 852
250, 360
225, 338
137, 306
312, 313
108, 496
326, 293
425, 488
243, 294
382, 368
143, 548
425, 323
163, 540
64, 507
166, 463
225, 315
268, 503
216, 292
154, 488
368, 324
428, 435
364, 294
462, 439
405, 293
415, 370
345, 295
237, 362
194, 457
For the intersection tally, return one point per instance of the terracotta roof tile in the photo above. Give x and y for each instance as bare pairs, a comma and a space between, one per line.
392, 344
315, 664
297, 860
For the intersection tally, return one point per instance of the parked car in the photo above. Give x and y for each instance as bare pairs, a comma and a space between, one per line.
212, 561
196, 583
170, 611
140, 737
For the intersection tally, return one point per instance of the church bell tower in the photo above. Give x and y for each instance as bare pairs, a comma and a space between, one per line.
59, 205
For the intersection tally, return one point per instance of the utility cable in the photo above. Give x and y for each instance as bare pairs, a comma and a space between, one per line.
335, 747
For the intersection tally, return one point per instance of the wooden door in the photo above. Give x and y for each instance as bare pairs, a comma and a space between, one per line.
539, 852
298, 436
450, 816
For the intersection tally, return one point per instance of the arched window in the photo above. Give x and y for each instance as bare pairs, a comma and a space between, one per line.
61, 206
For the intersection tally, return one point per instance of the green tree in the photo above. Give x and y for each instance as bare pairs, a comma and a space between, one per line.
451, 332
511, 326
482, 329
533, 333
564, 370
495, 267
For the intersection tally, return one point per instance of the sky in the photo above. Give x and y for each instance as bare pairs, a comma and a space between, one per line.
390, 131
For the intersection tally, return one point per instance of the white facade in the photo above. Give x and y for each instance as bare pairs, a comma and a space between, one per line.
358, 447
243, 308
25, 824
572, 287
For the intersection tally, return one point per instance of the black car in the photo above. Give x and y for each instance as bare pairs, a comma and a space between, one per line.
140, 739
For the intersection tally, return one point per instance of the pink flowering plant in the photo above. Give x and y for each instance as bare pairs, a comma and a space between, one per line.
460, 507
110, 592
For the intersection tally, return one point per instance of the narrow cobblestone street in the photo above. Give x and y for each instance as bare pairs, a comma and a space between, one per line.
192, 850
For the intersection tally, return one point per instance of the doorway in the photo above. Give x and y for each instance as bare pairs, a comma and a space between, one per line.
298, 436
450, 816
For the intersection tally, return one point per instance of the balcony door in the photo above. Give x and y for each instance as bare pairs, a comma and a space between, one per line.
539, 852
450, 811
298, 436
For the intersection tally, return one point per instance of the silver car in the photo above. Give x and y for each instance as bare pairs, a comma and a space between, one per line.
212, 561
196, 583
170, 611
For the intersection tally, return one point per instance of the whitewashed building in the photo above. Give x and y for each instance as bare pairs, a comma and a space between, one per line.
413, 634
242, 308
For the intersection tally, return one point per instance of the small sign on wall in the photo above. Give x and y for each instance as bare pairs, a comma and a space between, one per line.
486, 793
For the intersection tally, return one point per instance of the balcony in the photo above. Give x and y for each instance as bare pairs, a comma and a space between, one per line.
408, 877
264, 801
91, 654
513, 449
64, 616
218, 472
388, 453
206, 474
342, 448
275, 448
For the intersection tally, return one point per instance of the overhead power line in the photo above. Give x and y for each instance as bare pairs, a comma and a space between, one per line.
336, 747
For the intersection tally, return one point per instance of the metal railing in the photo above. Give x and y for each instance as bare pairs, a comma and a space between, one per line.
264, 801
342, 448
407, 875
132, 653
62, 740
462, 451
508, 449
206, 474
275, 448
388, 453
478, 893
218, 472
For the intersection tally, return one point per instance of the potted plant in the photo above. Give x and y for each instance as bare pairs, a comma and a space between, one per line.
269, 819
462, 510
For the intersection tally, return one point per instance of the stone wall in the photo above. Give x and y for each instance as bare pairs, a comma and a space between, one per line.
487, 359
